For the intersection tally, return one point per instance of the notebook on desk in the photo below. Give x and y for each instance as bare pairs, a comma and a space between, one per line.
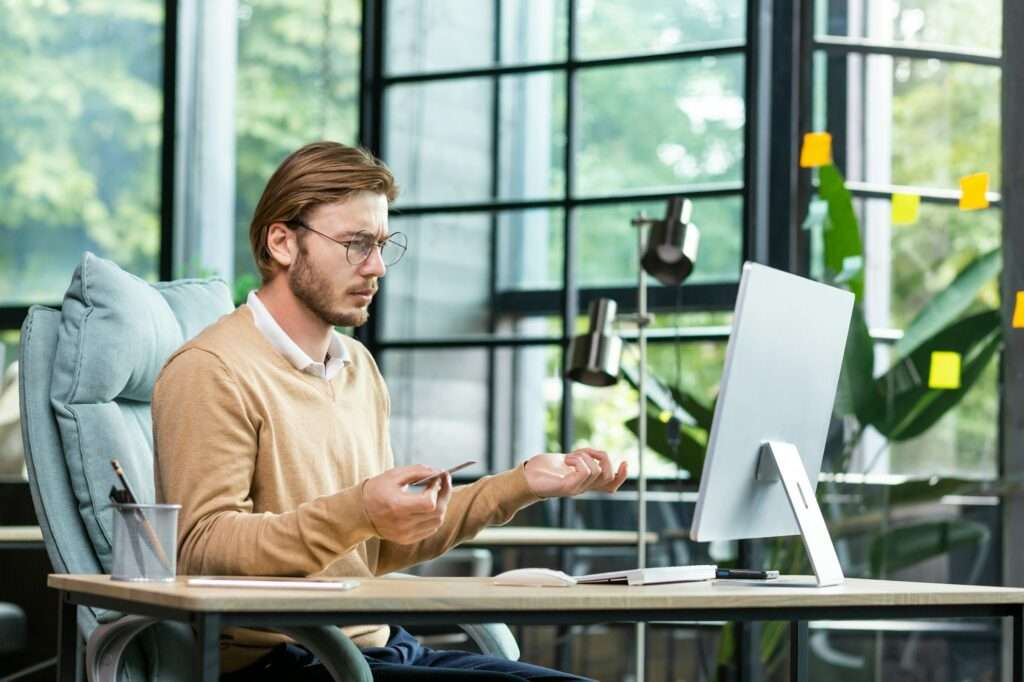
273, 583
651, 576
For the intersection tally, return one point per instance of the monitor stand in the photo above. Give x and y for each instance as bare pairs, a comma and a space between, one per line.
779, 460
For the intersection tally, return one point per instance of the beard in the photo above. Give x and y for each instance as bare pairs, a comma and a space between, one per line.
315, 294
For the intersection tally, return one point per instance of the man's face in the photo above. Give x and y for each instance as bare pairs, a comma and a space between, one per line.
321, 277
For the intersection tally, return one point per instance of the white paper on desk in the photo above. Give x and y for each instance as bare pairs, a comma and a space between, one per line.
651, 576
276, 584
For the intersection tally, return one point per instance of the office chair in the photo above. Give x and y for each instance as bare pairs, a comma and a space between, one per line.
12, 629
87, 379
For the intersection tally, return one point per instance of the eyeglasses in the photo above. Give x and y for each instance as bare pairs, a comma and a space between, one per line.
358, 248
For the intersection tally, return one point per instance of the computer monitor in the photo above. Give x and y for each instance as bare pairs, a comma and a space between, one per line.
778, 388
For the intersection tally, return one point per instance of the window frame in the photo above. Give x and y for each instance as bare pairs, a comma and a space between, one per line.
570, 299
13, 316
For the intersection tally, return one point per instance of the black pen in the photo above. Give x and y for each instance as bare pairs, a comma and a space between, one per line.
745, 574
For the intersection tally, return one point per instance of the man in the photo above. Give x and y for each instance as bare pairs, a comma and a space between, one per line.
271, 430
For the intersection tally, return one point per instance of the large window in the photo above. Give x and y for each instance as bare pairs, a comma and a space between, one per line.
82, 110
525, 136
297, 82
911, 93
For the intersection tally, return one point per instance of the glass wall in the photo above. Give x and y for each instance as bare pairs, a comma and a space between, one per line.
914, 122
82, 109
297, 82
911, 93
522, 159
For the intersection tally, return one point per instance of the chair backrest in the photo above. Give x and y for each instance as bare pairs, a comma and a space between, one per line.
87, 379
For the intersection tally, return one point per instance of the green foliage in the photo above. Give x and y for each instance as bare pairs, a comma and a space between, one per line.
80, 140
902, 547
298, 66
900, 413
844, 252
949, 303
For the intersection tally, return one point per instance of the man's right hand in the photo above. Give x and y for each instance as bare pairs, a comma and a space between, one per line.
401, 515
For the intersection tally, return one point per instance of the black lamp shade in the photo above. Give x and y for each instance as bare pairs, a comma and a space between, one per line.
672, 244
594, 357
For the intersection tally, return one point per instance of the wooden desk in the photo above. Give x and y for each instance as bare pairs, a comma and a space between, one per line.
477, 600
530, 536
20, 537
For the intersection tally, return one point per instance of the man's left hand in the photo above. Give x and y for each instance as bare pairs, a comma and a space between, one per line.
558, 475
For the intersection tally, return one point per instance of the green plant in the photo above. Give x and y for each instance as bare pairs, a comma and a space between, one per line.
898, 402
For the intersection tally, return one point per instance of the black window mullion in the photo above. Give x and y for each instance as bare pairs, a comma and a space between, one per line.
371, 124
756, 137
699, 52
1011, 403
493, 242
167, 142
702, 190
699, 297
570, 308
803, 70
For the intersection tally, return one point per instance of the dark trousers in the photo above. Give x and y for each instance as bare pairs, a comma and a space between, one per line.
403, 658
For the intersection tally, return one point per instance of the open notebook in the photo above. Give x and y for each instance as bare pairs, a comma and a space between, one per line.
273, 583
651, 576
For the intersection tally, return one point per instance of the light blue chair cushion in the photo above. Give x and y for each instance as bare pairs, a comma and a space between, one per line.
116, 332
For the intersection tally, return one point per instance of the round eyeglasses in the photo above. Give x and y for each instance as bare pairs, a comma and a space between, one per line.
359, 245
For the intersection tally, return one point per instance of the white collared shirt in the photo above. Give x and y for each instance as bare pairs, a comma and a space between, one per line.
337, 354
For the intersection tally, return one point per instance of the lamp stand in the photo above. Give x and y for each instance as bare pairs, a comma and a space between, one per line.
642, 319
641, 478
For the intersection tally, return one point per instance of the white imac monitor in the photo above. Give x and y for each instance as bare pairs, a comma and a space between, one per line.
771, 420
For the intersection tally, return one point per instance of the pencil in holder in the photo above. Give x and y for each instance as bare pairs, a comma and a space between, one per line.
145, 541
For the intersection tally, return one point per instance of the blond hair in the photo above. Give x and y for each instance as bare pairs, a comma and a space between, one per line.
318, 173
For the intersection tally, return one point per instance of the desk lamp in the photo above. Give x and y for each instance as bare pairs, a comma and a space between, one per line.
670, 256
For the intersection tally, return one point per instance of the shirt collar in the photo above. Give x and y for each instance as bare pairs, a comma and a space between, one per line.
337, 354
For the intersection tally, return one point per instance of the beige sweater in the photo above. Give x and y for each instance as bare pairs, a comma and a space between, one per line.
269, 462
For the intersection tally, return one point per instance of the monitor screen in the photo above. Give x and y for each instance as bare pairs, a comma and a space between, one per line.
779, 384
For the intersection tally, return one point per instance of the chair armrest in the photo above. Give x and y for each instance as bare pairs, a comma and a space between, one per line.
336, 651
106, 648
107, 644
493, 639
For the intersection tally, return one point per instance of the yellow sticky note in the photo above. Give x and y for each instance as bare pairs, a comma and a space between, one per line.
972, 191
817, 150
1018, 311
945, 370
904, 208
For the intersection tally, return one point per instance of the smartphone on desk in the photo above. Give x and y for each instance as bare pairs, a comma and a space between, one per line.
427, 480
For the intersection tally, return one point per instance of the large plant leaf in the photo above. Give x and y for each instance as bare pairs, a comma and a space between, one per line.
701, 413
910, 545
919, 491
856, 381
949, 303
689, 455
842, 238
662, 397
906, 408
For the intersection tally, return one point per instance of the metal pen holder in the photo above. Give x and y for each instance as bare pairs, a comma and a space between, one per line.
145, 542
